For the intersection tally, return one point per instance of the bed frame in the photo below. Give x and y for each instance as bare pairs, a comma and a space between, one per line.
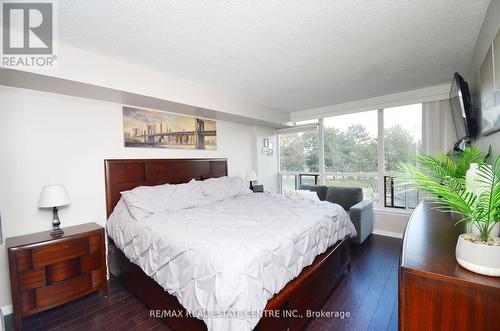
286, 310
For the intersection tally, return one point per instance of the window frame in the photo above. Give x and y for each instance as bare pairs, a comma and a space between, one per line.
381, 173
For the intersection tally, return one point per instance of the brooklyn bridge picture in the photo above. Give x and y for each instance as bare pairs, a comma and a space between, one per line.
147, 128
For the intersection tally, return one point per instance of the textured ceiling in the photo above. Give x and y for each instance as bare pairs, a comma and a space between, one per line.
287, 54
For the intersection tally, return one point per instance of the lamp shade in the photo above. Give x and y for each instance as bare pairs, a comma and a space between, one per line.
53, 196
251, 176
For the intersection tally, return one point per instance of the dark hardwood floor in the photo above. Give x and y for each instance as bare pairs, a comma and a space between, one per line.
368, 293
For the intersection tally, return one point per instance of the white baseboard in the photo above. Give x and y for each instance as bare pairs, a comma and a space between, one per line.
7, 310
388, 233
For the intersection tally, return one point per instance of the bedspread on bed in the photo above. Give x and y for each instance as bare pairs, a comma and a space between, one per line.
228, 258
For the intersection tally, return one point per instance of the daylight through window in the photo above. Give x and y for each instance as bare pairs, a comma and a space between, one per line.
358, 152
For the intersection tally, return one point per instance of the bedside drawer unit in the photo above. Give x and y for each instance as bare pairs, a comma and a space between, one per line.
46, 272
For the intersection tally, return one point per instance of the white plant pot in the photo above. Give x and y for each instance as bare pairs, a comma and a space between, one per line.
479, 257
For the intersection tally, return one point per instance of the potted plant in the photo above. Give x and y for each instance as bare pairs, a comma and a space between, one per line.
464, 183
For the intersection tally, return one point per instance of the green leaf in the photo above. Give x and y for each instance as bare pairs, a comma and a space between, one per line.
443, 177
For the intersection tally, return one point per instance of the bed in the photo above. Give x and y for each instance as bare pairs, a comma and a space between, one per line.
289, 295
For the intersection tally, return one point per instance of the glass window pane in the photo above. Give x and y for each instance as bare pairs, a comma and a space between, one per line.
308, 179
367, 183
299, 151
287, 182
402, 135
388, 191
351, 151
397, 195
412, 199
351, 142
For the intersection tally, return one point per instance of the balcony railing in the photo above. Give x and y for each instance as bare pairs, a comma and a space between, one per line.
367, 181
293, 180
394, 195
397, 196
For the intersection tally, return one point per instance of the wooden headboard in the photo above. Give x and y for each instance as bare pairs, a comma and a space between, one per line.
123, 175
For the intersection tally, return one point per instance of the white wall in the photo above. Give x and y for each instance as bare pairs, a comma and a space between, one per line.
489, 30
49, 138
492, 140
265, 166
390, 223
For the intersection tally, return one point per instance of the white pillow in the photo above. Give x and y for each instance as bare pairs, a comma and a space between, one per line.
217, 189
302, 195
143, 201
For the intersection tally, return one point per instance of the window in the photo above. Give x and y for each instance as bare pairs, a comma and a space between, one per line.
299, 151
351, 151
288, 182
308, 179
360, 150
402, 135
396, 195
402, 139
299, 157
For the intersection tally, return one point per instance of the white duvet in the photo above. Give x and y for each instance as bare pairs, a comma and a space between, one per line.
225, 260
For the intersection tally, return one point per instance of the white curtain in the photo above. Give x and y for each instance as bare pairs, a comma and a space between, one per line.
438, 129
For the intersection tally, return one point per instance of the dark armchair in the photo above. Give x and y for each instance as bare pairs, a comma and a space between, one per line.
351, 199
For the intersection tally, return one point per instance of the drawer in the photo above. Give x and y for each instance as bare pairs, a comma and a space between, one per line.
23, 260
96, 276
27, 301
95, 243
63, 292
91, 262
55, 253
31, 279
63, 270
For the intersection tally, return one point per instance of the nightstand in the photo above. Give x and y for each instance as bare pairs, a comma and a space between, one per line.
46, 272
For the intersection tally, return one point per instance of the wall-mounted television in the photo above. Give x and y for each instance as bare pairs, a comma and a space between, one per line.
464, 116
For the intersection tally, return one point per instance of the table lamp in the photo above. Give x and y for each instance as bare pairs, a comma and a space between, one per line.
54, 196
251, 177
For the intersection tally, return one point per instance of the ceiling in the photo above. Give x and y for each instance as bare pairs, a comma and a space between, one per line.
287, 54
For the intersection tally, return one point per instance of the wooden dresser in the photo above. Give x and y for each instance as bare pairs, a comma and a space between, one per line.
46, 272
435, 293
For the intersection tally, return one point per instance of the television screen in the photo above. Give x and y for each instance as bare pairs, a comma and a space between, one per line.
463, 114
